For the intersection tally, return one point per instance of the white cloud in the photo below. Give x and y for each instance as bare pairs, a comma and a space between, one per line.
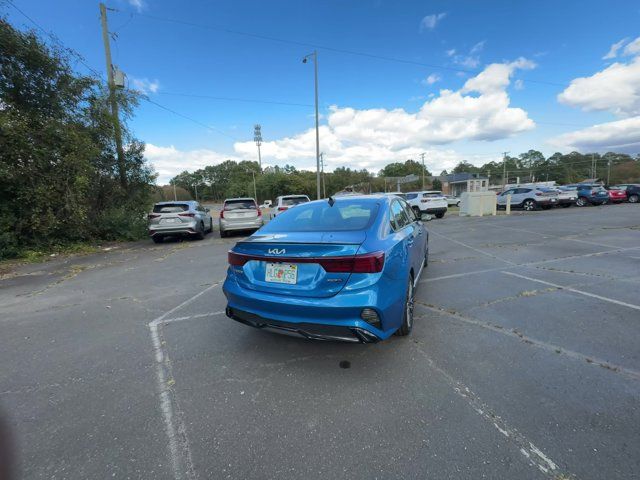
430, 21
620, 136
139, 5
615, 89
373, 137
145, 85
633, 48
472, 59
431, 79
613, 51
518, 84
169, 161
451, 52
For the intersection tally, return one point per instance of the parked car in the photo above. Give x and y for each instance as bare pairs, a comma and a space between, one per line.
528, 198
338, 269
396, 194
286, 202
169, 219
239, 214
429, 202
567, 196
617, 194
632, 190
452, 201
591, 194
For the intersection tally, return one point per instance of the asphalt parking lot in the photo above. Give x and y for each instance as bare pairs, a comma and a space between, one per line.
524, 363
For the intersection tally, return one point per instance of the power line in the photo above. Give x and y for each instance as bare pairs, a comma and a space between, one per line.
236, 99
324, 47
191, 119
55, 39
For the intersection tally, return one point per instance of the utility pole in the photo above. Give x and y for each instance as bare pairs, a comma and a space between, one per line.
504, 169
315, 75
257, 137
255, 192
175, 196
422, 156
195, 185
608, 171
112, 98
324, 185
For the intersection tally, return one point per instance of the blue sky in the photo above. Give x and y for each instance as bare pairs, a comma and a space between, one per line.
373, 110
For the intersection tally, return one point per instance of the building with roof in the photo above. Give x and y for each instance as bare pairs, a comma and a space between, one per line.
457, 183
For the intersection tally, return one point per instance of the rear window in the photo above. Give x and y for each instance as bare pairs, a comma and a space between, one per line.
432, 195
411, 196
170, 208
239, 205
290, 201
319, 217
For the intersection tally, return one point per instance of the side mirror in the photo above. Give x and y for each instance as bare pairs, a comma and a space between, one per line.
427, 218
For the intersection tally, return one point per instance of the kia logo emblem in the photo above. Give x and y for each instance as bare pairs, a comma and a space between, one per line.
277, 251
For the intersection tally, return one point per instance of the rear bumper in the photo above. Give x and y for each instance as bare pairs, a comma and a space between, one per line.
311, 331
227, 225
182, 229
434, 210
337, 317
567, 201
547, 201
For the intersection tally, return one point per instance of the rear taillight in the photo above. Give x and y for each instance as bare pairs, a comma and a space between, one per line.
186, 214
153, 215
594, 192
221, 213
281, 209
259, 211
424, 200
367, 263
538, 194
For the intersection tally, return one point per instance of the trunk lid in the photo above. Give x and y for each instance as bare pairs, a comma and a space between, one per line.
267, 253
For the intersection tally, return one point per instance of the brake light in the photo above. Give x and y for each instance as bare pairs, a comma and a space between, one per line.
153, 215
222, 213
367, 263
259, 212
281, 209
538, 194
186, 214
594, 192
424, 200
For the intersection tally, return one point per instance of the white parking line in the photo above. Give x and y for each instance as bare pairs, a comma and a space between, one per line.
527, 449
574, 290
179, 451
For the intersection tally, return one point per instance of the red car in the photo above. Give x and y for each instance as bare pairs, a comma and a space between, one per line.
617, 195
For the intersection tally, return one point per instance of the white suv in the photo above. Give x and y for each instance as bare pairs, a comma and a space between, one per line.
286, 202
428, 201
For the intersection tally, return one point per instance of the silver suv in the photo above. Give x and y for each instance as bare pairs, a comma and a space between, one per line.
239, 214
529, 198
179, 219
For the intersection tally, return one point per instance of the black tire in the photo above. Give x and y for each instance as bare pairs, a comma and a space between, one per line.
566, 205
157, 239
200, 232
546, 207
582, 202
223, 234
210, 225
440, 215
425, 264
407, 316
634, 198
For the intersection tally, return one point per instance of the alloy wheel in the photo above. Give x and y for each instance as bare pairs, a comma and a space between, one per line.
529, 205
410, 304
580, 202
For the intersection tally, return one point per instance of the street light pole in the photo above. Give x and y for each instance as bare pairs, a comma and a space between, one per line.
257, 137
324, 183
422, 155
315, 74
255, 191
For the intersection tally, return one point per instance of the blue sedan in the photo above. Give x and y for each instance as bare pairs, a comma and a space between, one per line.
336, 269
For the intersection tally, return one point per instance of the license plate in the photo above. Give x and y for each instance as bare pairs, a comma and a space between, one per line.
169, 220
281, 273
553, 200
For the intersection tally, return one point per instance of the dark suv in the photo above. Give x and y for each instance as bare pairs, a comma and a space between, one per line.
590, 194
632, 190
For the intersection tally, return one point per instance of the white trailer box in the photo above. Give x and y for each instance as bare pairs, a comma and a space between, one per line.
477, 204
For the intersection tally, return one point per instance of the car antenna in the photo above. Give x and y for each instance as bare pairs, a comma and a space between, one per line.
331, 201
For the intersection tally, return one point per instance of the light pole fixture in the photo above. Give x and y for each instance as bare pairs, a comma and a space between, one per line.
315, 71
257, 137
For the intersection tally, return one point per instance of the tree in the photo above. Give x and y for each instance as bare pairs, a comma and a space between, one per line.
58, 173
